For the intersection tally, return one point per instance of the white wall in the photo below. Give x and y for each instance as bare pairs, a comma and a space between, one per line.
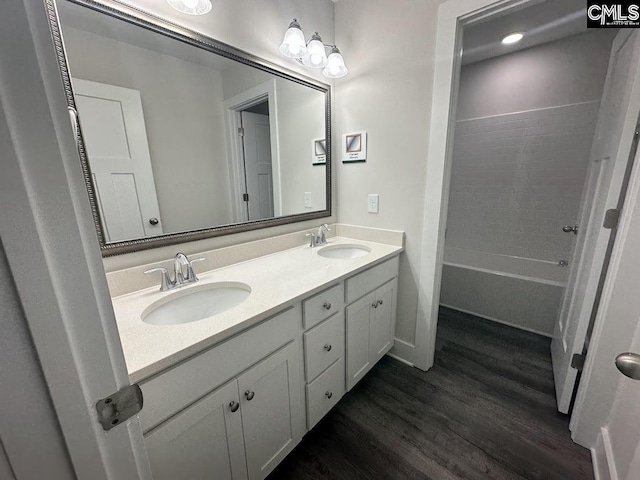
256, 27
185, 126
389, 48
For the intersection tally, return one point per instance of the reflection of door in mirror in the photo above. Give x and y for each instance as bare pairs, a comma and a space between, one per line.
116, 138
257, 164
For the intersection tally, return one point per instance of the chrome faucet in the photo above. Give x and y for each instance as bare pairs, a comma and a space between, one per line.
319, 238
183, 273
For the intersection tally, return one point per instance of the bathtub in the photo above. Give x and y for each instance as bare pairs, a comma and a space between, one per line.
521, 292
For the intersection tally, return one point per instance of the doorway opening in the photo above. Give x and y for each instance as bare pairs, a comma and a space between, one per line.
534, 158
251, 123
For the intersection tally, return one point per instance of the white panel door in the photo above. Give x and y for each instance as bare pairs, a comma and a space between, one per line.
358, 331
257, 164
115, 135
618, 332
202, 442
382, 321
272, 410
618, 114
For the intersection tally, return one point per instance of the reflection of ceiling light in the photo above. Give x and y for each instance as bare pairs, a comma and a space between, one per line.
191, 7
513, 38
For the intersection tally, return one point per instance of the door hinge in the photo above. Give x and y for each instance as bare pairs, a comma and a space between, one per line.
577, 361
241, 131
611, 218
245, 197
120, 406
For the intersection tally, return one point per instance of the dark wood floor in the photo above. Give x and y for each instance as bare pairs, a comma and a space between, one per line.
485, 410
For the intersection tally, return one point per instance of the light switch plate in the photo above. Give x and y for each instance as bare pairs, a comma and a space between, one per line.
372, 203
307, 199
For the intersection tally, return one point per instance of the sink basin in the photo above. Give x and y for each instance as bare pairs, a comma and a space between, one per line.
344, 251
196, 303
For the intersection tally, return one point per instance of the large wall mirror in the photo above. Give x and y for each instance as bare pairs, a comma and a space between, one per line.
182, 137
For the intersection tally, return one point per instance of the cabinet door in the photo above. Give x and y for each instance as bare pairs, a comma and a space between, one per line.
358, 320
202, 442
383, 321
272, 409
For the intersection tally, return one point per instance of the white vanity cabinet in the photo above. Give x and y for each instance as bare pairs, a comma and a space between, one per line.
242, 429
203, 441
236, 410
324, 351
370, 320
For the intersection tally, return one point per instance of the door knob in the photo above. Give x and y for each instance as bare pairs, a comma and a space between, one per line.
569, 229
629, 365
154, 221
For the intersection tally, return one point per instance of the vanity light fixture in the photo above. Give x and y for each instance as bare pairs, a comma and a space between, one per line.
512, 38
312, 53
191, 7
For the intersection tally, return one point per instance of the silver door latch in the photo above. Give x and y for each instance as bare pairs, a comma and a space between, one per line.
120, 406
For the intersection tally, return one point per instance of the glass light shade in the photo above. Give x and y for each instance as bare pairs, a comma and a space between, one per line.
335, 65
293, 44
191, 7
316, 56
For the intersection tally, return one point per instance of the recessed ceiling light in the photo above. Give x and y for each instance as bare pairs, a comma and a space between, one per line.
191, 7
513, 38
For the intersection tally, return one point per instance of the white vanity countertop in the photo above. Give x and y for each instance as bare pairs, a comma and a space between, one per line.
277, 281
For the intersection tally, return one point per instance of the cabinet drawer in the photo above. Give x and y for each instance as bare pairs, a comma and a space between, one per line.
323, 345
323, 305
371, 279
324, 392
174, 389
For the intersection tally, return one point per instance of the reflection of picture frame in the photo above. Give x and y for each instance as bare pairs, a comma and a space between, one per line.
319, 151
354, 147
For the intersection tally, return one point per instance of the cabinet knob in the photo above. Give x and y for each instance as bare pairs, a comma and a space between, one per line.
234, 406
379, 302
374, 304
249, 394
154, 221
327, 347
329, 394
327, 305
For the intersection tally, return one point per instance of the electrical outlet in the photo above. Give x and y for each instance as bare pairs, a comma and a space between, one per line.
372, 203
307, 199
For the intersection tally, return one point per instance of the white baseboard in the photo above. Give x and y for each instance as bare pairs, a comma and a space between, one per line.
402, 360
403, 351
537, 332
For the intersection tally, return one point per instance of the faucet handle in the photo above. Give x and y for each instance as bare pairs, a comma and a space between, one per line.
312, 236
165, 283
191, 275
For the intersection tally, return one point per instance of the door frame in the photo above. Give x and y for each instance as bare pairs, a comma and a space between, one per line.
453, 16
50, 242
235, 153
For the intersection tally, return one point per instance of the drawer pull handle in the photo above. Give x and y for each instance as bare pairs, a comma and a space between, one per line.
327, 305
379, 302
327, 347
329, 394
249, 394
374, 304
234, 406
